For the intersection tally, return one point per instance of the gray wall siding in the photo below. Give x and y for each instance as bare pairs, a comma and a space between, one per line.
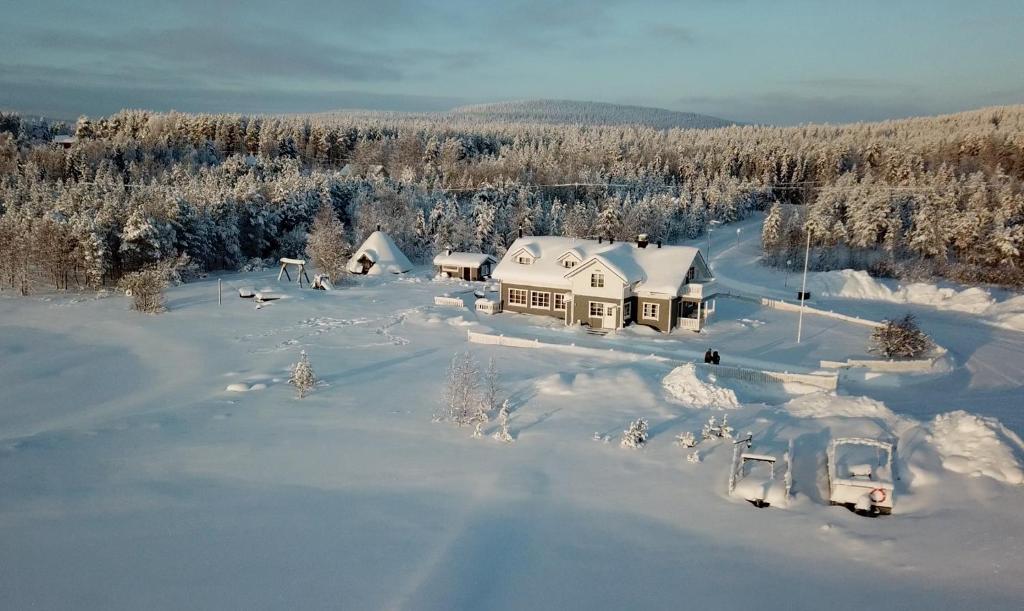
581, 309
666, 309
526, 309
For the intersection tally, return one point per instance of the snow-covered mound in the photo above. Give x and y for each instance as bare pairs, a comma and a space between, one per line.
825, 405
379, 255
976, 445
683, 385
854, 284
860, 285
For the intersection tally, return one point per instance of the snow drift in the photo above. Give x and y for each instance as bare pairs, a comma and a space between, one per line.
853, 284
683, 385
977, 446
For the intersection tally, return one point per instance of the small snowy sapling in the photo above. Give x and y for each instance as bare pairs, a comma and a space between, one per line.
502, 433
303, 378
686, 439
636, 435
462, 403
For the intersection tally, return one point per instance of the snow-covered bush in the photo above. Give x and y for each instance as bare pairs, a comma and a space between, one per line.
303, 377
686, 439
492, 387
636, 435
714, 430
146, 288
502, 433
462, 402
180, 269
900, 338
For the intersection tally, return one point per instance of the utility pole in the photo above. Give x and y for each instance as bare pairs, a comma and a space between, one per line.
803, 288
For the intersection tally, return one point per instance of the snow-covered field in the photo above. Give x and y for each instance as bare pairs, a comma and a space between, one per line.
162, 462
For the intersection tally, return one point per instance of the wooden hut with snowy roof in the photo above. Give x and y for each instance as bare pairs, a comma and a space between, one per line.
465, 265
377, 256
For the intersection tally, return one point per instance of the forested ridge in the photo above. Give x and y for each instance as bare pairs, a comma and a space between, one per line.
926, 196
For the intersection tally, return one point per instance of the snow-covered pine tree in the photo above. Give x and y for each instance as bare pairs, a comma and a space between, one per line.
303, 377
771, 231
609, 221
327, 246
636, 435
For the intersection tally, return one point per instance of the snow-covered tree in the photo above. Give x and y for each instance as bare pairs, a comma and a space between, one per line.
491, 391
502, 433
900, 338
636, 435
303, 377
461, 403
146, 288
326, 245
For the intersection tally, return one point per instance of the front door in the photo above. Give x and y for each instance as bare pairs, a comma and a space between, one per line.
465, 273
611, 317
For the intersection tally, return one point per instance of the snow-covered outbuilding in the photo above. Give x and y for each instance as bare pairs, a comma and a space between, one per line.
465, 265
378, 255
607, 284
64, 141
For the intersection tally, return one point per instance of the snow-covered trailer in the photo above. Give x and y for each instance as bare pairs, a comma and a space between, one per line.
860, 474
756, 477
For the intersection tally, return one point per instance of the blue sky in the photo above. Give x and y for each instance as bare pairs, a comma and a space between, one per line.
778, 61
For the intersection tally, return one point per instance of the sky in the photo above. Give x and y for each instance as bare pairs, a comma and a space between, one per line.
780, 61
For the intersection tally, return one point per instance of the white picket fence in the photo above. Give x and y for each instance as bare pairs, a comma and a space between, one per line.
456, 302
778, 304
888, 365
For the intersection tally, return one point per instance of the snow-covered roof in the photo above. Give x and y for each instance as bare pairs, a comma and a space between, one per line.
463, 259
650, 270
64, 139
385, 254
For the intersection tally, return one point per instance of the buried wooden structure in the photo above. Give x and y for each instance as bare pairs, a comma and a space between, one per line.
300, 263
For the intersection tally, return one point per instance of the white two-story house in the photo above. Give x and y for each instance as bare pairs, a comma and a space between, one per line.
606, 284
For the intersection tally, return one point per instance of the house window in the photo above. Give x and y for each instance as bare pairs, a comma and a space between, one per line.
560, 302
627, 310
517, 297
651, 311
690, 274
596, 309
597, 280
569, 263
524, 260
541, 300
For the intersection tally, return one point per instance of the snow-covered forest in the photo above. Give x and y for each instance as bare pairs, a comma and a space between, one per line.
940, 196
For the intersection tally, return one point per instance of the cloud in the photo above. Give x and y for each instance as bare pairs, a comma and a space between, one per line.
787, 108
672, 33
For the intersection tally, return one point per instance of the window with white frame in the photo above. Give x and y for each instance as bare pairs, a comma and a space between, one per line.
569, 263
597, 280
651, 311
517, 297
560, 301
627, 310
540, 299
524, 259
691, 274
596, 309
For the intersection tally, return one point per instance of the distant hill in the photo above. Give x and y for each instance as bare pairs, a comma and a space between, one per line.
587, 113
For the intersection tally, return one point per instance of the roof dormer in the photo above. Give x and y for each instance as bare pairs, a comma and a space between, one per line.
526, 255
570, 259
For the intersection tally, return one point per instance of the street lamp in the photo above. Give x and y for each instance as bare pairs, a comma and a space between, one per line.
789, 267
738, 230
803, 288
711, 226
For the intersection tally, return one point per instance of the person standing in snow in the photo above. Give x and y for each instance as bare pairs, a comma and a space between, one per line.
715, 358
707, 356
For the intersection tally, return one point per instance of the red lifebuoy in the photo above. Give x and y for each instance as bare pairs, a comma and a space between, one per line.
879, 497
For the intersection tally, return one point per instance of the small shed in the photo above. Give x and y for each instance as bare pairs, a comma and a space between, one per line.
465, 265
378, 255
64, 141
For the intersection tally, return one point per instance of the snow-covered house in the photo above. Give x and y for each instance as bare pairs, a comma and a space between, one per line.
378, 255
64, 141
464, 265
607, 284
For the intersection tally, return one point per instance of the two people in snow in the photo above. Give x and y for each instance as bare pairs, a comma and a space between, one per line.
712, 357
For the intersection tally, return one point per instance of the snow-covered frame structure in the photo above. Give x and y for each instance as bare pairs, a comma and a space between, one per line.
465, 265
870, 491
378, 255
606, 284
